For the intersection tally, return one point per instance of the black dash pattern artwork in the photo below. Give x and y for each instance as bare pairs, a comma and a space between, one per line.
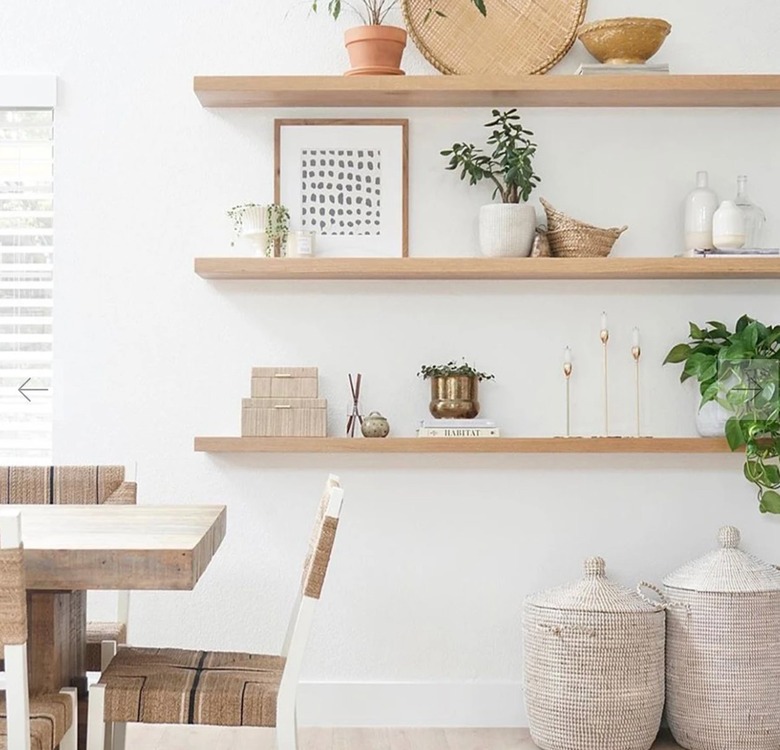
341, 191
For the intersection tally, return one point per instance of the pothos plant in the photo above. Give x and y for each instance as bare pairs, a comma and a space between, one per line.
452, 369
375, 12
740, 370
510, 163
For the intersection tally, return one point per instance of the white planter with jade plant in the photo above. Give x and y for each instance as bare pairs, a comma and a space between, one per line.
506, 229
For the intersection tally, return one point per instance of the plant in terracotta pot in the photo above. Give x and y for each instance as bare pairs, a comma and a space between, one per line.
739, 373
376, 48
506, 228
454, 389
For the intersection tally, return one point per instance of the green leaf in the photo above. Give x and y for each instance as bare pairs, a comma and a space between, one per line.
770, 502
734, 434
678, 353
753, 471
742, 323
696, 332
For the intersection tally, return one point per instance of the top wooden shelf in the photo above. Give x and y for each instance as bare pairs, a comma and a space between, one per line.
488, 91
450, 269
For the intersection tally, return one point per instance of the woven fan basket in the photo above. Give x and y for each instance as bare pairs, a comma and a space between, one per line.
593, 666
723, 650
570, 238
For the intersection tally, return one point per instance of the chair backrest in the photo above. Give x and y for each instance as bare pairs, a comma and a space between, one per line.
13, 630
315, 568
65, 485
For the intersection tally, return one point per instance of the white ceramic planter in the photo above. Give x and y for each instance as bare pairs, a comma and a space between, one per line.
711, 419
506, 230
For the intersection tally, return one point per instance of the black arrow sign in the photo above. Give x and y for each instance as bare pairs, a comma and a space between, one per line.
23, 390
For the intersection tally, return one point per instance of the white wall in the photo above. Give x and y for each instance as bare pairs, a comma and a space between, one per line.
435, 553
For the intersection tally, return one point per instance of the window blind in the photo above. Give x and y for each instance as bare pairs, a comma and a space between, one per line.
26, 274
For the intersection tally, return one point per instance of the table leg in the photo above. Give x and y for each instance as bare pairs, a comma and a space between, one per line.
57, 638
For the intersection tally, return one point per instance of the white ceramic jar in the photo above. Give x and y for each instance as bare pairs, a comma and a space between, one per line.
728, 227
506, 230
700, 206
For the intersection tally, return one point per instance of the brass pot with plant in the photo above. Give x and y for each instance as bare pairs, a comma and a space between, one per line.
376, 47
506, 229
454, 389
740, 371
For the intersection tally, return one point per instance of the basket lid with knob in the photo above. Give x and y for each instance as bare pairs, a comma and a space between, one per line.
727, 569
592, 593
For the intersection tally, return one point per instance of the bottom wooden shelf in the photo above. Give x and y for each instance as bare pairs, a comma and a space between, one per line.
461, 445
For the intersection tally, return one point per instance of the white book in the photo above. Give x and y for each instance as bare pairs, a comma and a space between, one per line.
598, 69
449, 432
739, 252
457, 424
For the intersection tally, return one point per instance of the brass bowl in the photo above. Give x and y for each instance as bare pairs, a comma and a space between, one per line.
624, 41
454, 397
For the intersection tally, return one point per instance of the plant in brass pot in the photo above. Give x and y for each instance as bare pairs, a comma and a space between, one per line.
454, 389
739, 373
376, 48
506, 228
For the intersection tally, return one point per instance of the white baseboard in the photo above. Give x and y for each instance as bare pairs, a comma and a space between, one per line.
411, 704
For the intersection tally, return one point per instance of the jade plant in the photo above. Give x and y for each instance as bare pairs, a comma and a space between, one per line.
452, 369
739, 370
374, 12
510, 163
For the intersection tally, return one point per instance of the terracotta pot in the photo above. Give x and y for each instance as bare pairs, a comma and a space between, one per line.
375, 50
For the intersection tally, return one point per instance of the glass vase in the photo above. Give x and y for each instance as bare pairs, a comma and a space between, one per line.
754, 216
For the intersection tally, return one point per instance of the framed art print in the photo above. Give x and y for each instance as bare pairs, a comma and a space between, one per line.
346, 181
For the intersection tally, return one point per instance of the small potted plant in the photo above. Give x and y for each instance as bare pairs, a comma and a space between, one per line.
263, 227
506, 228
739, 373
376, 48
454, 389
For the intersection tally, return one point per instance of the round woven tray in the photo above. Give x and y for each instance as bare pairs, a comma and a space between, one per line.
516, 36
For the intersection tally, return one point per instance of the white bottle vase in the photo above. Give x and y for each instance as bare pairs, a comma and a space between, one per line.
700, 206
506, 230
728, 227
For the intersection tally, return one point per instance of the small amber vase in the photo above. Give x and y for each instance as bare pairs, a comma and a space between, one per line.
454, 397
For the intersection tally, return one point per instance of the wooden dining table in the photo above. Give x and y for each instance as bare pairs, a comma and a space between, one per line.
72, 549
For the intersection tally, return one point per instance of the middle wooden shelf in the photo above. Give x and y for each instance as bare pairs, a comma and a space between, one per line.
452, 269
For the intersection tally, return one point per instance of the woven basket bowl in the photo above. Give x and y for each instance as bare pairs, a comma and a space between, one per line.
624, 41
570, 238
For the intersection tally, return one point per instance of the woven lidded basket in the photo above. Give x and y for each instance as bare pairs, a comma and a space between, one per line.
570, 238
593, 665
723, 650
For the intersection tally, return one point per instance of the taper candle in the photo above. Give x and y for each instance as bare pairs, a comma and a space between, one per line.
567, 370
604, 336
636, 353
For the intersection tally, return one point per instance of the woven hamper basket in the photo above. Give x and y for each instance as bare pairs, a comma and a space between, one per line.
593, 665
723, 650
570, 238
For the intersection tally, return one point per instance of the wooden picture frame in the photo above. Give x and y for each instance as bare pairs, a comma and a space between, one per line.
394, 221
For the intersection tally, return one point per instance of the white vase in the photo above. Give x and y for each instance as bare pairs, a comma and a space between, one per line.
728, 227
711, 419
506, 230
700, 206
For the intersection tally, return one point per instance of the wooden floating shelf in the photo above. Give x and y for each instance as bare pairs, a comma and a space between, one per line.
461, 445
490, 91
449, 269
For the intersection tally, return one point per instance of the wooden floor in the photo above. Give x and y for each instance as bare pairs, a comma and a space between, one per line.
211, 738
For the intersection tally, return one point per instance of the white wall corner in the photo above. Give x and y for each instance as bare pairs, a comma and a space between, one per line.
418, 704
28, 91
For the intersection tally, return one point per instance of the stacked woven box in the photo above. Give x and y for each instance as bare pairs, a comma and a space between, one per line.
284, 403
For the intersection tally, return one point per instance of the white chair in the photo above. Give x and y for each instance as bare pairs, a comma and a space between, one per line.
47, 721
175, 686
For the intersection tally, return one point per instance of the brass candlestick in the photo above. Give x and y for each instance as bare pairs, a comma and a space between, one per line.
604, 336
636, 353
567, 375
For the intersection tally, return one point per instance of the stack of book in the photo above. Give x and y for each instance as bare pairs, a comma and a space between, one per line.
457, 428
740, 251
597, 69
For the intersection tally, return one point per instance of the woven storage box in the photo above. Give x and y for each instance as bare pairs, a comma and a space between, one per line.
723, 650
290, 417
284, 382
593, 665
570, 238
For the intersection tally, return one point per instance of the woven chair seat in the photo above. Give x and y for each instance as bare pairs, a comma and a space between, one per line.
50, 717
174, 686
97, 632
